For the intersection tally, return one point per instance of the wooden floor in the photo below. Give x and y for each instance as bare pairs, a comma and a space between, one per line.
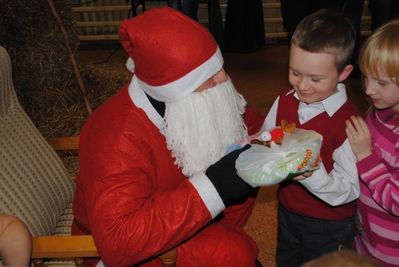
259, 76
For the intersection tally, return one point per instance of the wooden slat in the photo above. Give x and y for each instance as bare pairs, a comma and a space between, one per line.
365, 33
276, 34
168, 259
98, 23
100, 37
57, 247
101, 8
366, 18
77, 246
64, 143
274, 20
271, 5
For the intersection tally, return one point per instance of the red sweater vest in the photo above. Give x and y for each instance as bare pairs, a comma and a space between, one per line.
292, 195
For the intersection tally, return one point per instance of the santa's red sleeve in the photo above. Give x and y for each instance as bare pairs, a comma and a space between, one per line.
253, 120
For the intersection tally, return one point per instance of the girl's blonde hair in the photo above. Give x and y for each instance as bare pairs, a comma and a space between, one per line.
380, 52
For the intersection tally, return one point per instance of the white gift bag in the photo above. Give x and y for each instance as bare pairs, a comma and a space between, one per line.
299, 152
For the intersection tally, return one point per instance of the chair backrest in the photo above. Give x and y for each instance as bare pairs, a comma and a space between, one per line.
34, 184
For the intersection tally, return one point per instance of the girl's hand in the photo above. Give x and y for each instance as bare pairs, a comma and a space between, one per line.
359, 137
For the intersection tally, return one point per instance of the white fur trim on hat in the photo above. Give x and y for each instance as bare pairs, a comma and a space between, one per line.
187, 84
130, 64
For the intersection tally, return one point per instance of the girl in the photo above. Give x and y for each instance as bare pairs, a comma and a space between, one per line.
375, 143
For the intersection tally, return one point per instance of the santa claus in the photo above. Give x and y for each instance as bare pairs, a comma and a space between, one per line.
154, 174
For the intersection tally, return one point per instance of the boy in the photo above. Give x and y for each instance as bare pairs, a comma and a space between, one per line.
316, 210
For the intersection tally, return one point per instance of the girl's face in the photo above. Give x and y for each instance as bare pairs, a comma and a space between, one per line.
383, 92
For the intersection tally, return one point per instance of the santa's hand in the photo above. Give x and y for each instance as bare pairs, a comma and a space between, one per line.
224, 178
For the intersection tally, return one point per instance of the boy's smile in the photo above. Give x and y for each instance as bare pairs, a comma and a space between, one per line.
314, 76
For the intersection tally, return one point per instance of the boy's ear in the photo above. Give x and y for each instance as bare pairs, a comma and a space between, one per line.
345, 72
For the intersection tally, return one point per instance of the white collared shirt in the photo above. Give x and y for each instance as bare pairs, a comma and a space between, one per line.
341, 185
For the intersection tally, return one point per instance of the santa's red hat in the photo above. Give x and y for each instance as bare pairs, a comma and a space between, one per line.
172, 54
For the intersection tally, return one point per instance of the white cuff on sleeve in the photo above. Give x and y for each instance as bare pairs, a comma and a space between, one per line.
317, 179
208, 193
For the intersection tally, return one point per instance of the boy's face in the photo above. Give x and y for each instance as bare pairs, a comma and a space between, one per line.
314, 76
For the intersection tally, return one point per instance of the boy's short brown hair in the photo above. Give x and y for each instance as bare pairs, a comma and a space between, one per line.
341, 258
327, 31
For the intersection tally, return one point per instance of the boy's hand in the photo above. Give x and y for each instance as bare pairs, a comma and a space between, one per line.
359, 137
303, 176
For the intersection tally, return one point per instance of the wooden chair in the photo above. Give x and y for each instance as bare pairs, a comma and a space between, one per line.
35, 185
77, 247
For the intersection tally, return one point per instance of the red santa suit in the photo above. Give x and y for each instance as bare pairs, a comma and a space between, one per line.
135, 201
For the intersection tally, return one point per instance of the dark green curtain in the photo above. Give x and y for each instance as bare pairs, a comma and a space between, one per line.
215, 21
244, 29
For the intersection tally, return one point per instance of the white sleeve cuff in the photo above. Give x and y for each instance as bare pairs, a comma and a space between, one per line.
341, 185
317, 179
208, 193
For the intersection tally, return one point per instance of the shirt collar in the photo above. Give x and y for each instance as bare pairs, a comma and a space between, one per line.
332, 103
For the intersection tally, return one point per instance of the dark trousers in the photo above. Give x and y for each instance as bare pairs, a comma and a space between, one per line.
244, 29
188, 7
301, 239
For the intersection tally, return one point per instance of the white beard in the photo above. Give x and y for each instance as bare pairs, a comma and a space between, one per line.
200, 127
